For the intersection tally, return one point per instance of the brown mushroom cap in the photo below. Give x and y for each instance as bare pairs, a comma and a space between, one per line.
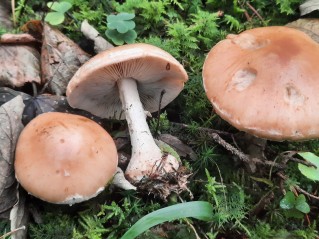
265, 81
64, 158
94, 88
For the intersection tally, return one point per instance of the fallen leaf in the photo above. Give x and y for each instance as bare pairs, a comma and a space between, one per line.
10, 128
54, 103
18, 65
308, 6
60, 59
7, 94
19, 217
308, 26
181, 148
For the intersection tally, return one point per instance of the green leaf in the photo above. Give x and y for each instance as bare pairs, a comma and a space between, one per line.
54, 18
294, 213
310, 172
121, 26
198, 209
288, 202
115, 36
301, 204
122, 22
119, 38
263, 180
130, 36
60, 7
123, 16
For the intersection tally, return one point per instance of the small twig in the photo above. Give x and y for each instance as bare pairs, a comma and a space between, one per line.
288, 155
255, 11
193, 228
214, 134
34, 89
13, 15
306, 193
241, 155
202, 129
159, 112
12, 232
284, 177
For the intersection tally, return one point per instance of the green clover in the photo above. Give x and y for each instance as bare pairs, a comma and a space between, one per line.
294, 206
59, 9
121, 28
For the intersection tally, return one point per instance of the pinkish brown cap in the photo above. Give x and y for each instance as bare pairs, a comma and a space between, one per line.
94, 86
64, 158
265, 81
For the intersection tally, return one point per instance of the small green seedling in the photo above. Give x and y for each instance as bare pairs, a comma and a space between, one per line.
310, 172
58, 9
294, 206
121, 28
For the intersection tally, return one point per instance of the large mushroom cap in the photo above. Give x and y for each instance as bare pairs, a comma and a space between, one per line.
64, 158
265, 81
94, 88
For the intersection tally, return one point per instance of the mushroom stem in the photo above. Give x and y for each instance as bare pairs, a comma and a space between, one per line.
146, 156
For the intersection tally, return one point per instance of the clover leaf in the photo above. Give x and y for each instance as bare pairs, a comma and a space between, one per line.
310, 171
121, 28
59, 9
119, 38
122, 22
294, 206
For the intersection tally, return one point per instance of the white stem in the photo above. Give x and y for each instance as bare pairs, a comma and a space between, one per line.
146, 155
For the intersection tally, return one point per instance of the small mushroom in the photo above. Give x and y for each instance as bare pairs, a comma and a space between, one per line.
265, 81
123, 82
64, 158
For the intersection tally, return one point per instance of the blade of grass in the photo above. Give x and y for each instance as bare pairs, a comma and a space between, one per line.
199, 209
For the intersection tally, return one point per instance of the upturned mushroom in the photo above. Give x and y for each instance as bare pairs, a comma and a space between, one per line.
64, 158
265, 82
125, 82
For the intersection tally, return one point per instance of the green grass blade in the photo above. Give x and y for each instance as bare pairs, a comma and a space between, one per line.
199, 209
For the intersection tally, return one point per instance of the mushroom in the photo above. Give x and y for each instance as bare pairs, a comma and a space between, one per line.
265, 82
131, 79
64, 158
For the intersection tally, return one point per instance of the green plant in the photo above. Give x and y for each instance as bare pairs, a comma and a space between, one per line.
309, 171
53, 227
198, 209
213, 187
121, 28
58, 9
160, 124
232, 208
288, 6
294, 206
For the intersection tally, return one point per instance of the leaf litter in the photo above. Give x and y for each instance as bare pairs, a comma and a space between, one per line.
10, 128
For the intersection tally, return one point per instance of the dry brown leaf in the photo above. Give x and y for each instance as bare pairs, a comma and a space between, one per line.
19, 217
60, 59
18, 65
10, 128
181, 148
309, 26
